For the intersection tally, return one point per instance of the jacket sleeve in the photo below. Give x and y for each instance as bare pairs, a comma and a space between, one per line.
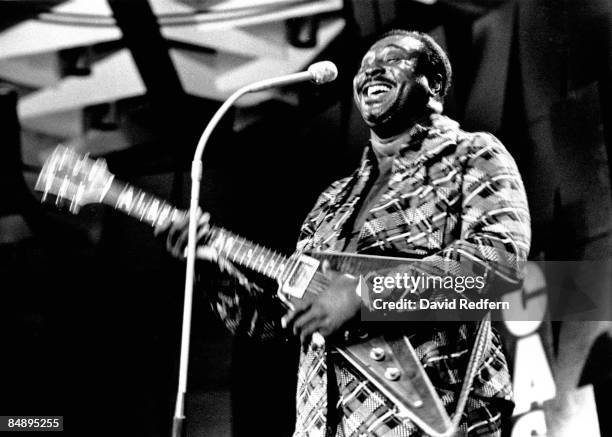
247, 307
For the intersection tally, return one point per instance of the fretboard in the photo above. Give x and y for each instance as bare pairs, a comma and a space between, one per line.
152, 210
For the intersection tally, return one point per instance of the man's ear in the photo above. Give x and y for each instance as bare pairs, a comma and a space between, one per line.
435, 85
435, 88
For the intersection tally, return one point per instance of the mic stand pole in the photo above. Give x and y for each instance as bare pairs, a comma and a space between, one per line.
196, 177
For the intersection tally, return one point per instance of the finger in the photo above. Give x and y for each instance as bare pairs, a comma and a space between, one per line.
171, 239
161, 228
181, 242
206, 253
172, 243
173, 225
326, 268
310, 316
324, 328
204, 217
176, 229
308, 330
203, 229
299, 307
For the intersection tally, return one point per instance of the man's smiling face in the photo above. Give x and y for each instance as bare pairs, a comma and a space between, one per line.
386, 88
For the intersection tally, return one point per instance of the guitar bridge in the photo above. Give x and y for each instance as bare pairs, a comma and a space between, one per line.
299, 277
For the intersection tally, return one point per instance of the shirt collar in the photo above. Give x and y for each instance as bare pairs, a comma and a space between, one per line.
396, 147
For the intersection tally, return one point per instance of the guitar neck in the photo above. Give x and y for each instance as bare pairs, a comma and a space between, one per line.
155, 211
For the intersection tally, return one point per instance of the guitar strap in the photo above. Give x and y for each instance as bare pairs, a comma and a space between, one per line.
483, 337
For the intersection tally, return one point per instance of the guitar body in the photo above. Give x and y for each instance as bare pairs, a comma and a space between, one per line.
388, 361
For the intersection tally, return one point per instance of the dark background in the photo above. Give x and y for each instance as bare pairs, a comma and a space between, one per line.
90, 306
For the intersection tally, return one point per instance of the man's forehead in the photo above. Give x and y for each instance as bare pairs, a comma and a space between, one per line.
408, 43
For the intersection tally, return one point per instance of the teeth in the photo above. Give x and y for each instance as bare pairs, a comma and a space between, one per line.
377, 89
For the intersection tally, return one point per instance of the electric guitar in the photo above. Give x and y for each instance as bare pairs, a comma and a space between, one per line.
390, 364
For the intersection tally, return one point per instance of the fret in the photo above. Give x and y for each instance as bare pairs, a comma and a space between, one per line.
253, 256
107, 187
144, 207
141, 205
237, 252
268, 269
249, 256
125, 199
228, 245
241, 262
164, 214
279, 269
275, 265
152, 212
253, 260
261, 258
269, 255
220, 241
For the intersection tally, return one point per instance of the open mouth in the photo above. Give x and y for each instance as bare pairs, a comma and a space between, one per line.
376, 90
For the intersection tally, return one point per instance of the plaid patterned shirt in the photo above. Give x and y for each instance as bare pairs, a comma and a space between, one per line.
455, 201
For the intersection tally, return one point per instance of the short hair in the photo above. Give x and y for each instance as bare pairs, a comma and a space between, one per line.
436, 60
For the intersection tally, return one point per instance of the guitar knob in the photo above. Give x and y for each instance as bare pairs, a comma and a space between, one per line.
377, 353
392, 373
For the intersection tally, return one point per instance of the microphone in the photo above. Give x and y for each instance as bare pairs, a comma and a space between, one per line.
319, 73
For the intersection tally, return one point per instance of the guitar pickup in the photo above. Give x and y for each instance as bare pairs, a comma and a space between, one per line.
303, 270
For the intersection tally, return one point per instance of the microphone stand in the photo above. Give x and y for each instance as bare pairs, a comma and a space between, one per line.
196, 178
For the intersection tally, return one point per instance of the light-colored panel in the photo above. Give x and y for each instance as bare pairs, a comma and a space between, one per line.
225, 20
36, 70
216, 76
227, 40
179, 7
229, 5
32, 37
86, 7
67, 124
296, 59
112, 78
271, 32
198, 73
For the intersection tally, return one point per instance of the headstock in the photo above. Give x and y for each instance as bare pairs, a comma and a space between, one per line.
74, 178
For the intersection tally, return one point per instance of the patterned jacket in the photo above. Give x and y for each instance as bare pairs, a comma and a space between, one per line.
455, 201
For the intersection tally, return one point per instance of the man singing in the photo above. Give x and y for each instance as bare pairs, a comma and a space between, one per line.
449, 201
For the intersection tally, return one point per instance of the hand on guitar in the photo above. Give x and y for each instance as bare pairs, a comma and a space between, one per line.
178, 233
327, 312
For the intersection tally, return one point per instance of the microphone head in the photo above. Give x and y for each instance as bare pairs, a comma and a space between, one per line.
323, 72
